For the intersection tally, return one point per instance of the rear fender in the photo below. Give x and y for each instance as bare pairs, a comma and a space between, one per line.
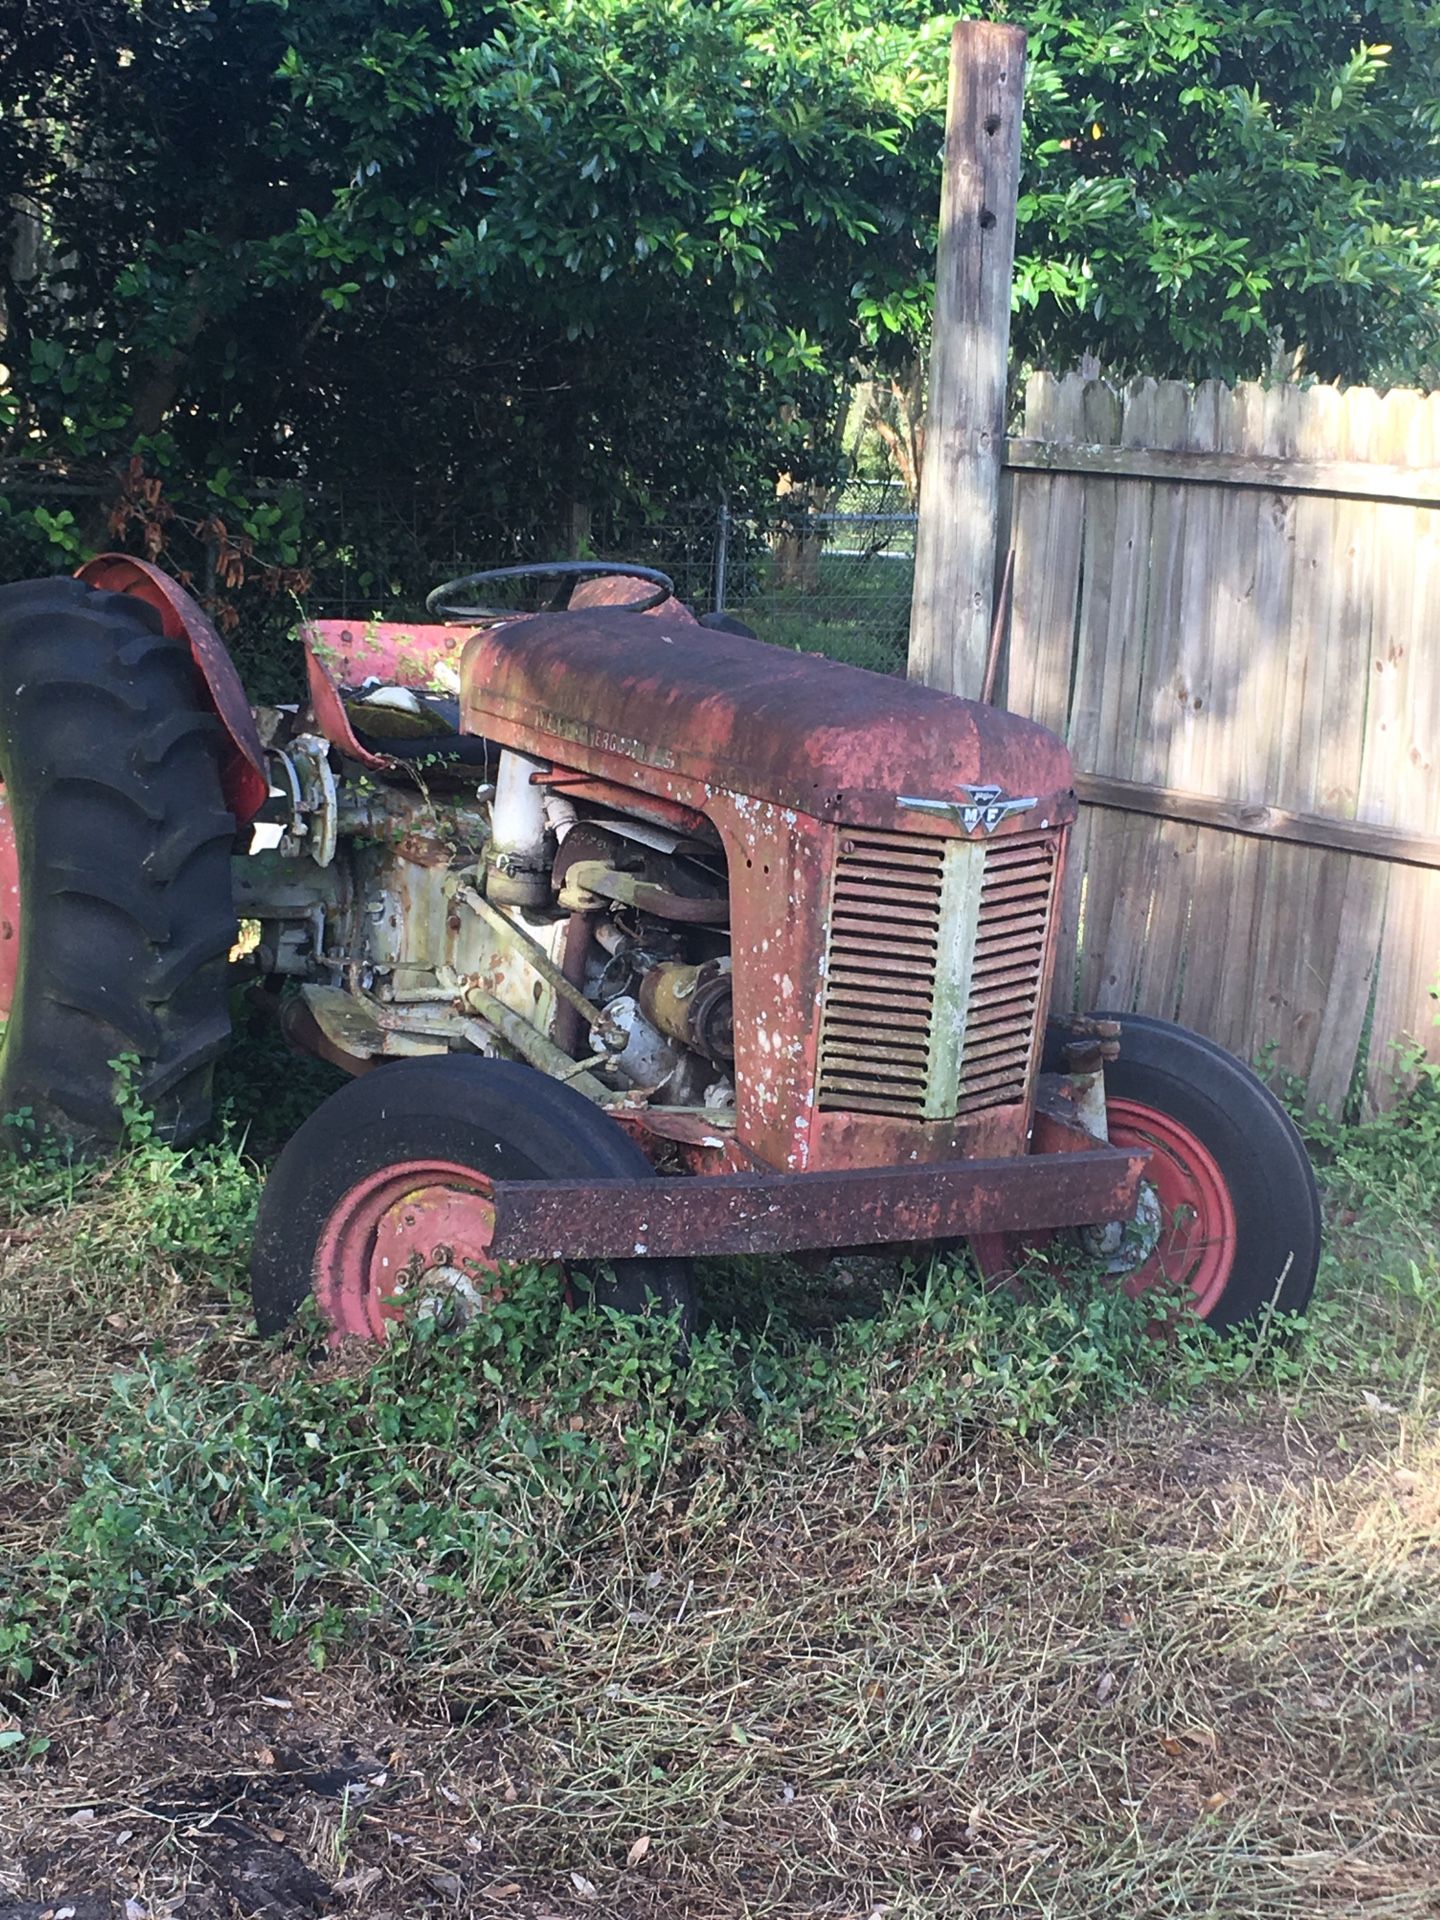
243, 775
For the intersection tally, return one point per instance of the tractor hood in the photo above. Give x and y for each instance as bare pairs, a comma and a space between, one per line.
707, 711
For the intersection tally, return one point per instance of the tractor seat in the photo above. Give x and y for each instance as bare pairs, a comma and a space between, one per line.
392, 712
409, 723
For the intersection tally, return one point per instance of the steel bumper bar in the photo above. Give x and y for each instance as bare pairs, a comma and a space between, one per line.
790, 1212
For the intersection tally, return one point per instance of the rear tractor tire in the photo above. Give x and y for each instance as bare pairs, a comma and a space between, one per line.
383, 1196
116, 911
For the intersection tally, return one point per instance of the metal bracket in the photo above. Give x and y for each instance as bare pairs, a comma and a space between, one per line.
982, 812
303, 786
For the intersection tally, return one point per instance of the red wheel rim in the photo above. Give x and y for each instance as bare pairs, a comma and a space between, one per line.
1195, 1252
9, 907
393, 1229
1194, 1248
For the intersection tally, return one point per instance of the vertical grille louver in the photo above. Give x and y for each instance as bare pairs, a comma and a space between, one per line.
933, 971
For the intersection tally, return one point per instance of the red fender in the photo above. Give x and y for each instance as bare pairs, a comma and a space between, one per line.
243, 773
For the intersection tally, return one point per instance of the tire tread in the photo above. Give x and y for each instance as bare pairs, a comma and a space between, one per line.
112, 757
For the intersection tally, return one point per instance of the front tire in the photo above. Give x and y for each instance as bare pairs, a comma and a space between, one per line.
116, 912
402, 1159
1230, 1215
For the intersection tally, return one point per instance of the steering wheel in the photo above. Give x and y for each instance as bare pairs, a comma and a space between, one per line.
568, 574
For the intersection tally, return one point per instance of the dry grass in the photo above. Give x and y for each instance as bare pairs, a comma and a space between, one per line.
1175, 1662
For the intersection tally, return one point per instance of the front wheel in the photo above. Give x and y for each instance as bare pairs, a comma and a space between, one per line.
1229, 1214
384, 1194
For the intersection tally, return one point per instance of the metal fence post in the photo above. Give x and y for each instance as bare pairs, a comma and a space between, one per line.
722, 555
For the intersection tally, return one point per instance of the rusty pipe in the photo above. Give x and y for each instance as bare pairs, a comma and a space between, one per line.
596, 878
574, 952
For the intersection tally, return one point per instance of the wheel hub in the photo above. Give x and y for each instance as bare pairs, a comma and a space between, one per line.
419, 1231
1123, 1246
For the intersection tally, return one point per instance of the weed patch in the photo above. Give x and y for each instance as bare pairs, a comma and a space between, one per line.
460, 1464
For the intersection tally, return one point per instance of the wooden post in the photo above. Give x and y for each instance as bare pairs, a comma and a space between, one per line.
955, 544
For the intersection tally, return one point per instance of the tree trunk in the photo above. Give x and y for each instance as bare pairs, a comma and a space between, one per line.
796, 567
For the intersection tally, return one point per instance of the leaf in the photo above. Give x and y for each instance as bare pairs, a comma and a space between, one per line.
1192, 1737
586, 1889
638, 1850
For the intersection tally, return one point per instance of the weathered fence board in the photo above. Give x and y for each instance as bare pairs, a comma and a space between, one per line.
1236, 636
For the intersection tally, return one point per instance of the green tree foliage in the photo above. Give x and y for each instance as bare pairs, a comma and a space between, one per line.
541, 254
1206, 181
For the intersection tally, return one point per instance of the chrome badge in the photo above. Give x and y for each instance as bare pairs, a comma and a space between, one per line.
982, 812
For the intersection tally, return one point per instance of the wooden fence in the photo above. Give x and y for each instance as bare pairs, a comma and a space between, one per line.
1228, 603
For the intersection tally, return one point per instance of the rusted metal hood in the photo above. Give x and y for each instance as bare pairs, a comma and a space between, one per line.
795, 729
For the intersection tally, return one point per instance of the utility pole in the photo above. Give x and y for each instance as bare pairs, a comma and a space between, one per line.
957, 537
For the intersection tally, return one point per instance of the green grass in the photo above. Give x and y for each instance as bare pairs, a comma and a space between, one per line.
971, 1605
858, 610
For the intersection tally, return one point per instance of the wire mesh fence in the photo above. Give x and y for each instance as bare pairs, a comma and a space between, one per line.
829, 576
828, 579
44, 521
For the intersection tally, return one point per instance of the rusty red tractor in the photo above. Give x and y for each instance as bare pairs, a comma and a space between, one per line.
641, 940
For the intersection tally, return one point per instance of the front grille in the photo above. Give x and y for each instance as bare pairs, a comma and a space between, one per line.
933, 972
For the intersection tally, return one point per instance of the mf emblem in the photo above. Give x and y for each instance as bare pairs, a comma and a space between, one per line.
980, 812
